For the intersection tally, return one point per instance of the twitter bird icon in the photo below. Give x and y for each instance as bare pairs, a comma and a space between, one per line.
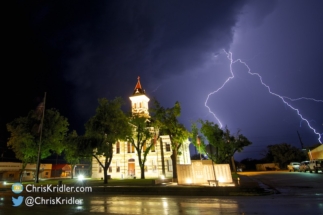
17, 201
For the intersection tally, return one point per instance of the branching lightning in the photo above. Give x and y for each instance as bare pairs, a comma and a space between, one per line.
302, 98
282, 98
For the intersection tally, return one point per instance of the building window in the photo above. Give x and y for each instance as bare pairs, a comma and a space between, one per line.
110, 168
146, 168
100, 169
118, 147
167, 147
118, 166
131, 147
128, 147
46, 173
169, 166
28, 173
144, 147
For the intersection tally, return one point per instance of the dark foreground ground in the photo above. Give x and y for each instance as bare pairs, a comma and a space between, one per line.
260, 193
245, 186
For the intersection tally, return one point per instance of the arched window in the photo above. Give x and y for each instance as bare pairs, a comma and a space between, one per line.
118, 147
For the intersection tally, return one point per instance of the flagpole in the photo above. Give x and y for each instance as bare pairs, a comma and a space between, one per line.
39, 145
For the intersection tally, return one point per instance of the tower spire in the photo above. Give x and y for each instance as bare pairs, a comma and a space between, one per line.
139, 100
138, 85
138, 89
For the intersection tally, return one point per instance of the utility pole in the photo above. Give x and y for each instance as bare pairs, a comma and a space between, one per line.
308, 155
39, 145
299, 137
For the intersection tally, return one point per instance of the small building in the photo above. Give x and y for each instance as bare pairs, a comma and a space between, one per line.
316, 153
11, 171
61, 170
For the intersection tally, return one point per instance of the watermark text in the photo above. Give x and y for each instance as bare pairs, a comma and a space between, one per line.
49, 188
31, 201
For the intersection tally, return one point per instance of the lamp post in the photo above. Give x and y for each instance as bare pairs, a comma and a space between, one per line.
124, 158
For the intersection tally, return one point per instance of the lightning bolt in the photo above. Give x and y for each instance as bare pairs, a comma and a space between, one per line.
302, 98
156, 88
282, 98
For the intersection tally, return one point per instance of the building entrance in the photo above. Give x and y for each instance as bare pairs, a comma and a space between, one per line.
131, 167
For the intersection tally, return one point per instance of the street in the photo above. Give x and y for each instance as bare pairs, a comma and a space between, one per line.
103, 204
289, 183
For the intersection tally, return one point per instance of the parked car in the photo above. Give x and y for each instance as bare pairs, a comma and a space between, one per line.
293, 166
304, 166
315, 165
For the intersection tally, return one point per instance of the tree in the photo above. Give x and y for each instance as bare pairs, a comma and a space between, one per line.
167, 119
283, 154
72, 154
104, 129
221, 144
24, 136
141, 140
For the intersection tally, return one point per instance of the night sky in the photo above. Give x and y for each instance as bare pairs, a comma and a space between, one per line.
79, 51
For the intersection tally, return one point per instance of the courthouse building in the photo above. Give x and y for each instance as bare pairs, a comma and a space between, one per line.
125, 159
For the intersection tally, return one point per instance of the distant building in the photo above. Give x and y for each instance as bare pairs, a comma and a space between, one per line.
11, 171
316, 153
267, 166
61, 170
125, 159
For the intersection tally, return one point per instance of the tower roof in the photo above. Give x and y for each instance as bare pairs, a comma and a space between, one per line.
138, 89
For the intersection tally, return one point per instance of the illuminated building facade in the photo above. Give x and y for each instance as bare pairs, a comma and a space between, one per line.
125, 159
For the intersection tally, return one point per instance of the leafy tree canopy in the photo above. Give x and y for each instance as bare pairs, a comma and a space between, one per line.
25, 135
105, 128
219, 145
283, 154
109, 123
167, 120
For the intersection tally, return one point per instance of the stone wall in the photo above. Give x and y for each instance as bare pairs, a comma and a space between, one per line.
200, 171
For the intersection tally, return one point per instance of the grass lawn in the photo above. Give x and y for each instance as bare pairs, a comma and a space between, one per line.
98, 182
89, 182
235, 176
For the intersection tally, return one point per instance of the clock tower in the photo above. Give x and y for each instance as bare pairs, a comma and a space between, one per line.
139, 101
